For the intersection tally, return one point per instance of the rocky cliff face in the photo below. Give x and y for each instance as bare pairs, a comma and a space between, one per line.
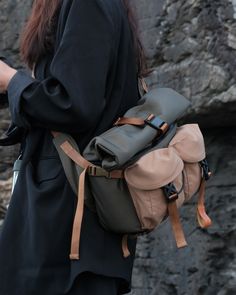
191, 45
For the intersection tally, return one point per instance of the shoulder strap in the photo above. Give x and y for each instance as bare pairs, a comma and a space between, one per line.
69, 154
68, 150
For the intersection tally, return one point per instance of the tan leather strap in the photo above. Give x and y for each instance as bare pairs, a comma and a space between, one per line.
86, 165
203, 219
125, 248
82, 162
76, 231
176, 225
116, 174
130, 121
142, 122
74, 155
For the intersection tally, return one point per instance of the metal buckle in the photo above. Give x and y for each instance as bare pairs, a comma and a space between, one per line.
156, 123
170, 192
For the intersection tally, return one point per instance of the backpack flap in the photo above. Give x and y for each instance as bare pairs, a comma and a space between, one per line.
146, 179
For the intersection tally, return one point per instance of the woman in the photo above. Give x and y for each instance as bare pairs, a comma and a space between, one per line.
86, 63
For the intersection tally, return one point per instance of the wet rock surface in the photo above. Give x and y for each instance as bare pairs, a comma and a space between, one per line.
191, 46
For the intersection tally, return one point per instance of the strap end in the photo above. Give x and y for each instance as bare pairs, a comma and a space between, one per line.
74, 256
181, 244
125, 249
203, 219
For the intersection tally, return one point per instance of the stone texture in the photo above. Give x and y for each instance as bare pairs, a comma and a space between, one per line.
12, 16
191, 46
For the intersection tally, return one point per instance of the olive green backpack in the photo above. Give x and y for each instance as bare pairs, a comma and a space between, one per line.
140, 171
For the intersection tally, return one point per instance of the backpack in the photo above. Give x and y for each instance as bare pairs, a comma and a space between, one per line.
139, 172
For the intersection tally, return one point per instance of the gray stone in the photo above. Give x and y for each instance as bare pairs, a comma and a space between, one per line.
195, 49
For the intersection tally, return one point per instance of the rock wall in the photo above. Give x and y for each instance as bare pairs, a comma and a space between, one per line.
12, 16
191, 46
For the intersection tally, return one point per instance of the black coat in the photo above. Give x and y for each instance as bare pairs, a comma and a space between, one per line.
81, 88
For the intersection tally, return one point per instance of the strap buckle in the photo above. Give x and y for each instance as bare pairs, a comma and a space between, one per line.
156, 123
98, 171
205, 169
170, 192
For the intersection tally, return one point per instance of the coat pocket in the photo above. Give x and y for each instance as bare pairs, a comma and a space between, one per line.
46, 169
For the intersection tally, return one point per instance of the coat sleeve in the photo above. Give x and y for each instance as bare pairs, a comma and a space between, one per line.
72, 98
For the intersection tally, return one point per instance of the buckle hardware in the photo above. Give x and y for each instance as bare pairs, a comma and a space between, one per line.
205, 169
170, 192
156, 123
92, 170
98, 171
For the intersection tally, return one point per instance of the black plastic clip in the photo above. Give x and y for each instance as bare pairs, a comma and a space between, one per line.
170, 192
156, 123
205, 168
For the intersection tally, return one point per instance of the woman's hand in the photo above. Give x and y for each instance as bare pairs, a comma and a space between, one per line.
6, 73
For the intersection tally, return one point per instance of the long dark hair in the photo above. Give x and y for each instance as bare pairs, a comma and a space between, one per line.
38, 34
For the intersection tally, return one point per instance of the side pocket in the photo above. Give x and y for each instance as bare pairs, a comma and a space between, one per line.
193, 177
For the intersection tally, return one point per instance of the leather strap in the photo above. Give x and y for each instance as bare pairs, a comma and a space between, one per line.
202, 217
75, 156
151, 120
125, 248
82, 162
176, 225
130, 121
76, 231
